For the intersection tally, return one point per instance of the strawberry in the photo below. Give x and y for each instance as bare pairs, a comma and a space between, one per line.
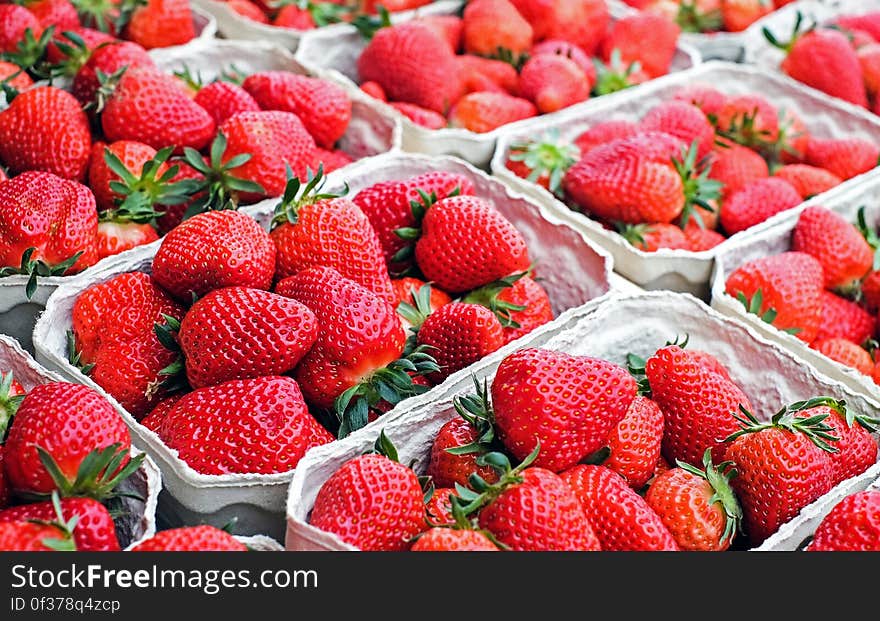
841, 318
783, 289
26, 536
693, 16
438, 508
248, 10
645, 38
852, 525
59, 13
484, 111
94, 532
567, 404
699, 405
133, 156
371, 502
223, 99
412, 64
108, 57
161, 23
467, 243
845, 157
634, 445
330, 160
153, 420
707, 98
750, 120
682, 120
241, 333
553, 82
494, 26
45, 129
621, 519
519, 302
458, 335
312, 229
407, 292
532, 509
737, 15
543, 161
490, 72
73, 47
606, 131
257, 425
808, 181
14, 76
202, 538
846, 353
871, 291
701, 240
16, 21
823, 58
866, 22
869, 60
323, 107
214, 250
374, 90
782, 466
395, 205
581, 22
839, 247
67, 437
453, 540
757, 202
447, 27
652, 237
697, 505
737, 167
360, 342
566, 49
274, 140
48, 226
420, 116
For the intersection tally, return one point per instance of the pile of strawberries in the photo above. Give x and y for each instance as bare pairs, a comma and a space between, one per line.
694, 170
241, 341
825, 290
711, 15
508, 60
853, 525
667, 456
308, 14
128, 151
841, 58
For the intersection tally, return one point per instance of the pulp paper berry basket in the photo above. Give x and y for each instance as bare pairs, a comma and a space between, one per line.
769, 374
138, 517
682, 270
776, 240
320, 52
574, 271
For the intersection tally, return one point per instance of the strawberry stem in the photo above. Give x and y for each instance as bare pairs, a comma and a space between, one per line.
813, 427
548, 156
719, 478
37, 268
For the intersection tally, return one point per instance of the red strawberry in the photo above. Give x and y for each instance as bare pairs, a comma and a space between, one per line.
371, 502
707, 98
153, 420
490, 71
756, 203
412, 64
845, 157
330, 160
700, 240
15, 21
450, 540
311, 229
737, 167
133, 156
62, 49
506, 299
54, 216
698, 506
738, 15
438, 508
782, 466
841, 318
866, 22
603, 132
323, 107
257, 425
274, 140
856, 449
161, 23
214, 250
459, 335
808, 181
59, 13
14, 76
652, 237
374, 90
45, 129
568, 404
24, 536
447, 27
634, 445
532, 509
467, 243
420, 116
566, 49
621, 519
852, 525
407, 292
645, 38
484, 111
871, 291
201, 538
839, 247
682, 120
491, 26
223, 99
108, 57
699, 405
790, 286
67, 423
248, 10
582, 22
750, 120
553, 82
869, 60
846, 353
94, 531
543, 161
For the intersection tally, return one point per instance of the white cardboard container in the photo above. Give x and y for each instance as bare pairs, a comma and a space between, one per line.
682, 270
338, 53
369, 133
776, 240
769, 374
139, 521
231, 25
574, 273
